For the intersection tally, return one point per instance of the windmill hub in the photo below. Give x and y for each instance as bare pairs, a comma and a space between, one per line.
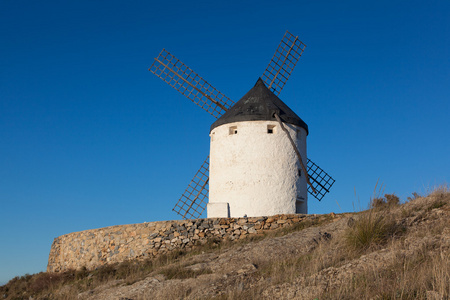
254, 170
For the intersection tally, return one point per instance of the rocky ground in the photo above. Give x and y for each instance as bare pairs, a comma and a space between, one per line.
232, 270
409, 259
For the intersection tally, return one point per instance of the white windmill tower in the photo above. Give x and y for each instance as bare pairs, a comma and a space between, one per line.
258, 156
254, 170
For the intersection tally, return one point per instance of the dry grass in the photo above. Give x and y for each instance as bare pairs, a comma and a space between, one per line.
409, 277
405, 244
421, 274
47, 285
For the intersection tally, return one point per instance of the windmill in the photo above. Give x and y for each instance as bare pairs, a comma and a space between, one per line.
274, 175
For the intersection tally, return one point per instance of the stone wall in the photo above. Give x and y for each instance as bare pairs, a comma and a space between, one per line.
96, 247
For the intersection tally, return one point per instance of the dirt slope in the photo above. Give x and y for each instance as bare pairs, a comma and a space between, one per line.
251, 270
392, 251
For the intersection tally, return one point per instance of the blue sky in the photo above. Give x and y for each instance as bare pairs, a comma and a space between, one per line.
90, 138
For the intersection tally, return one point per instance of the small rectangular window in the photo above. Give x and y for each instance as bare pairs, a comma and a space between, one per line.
299, 173
232, 130
270, 129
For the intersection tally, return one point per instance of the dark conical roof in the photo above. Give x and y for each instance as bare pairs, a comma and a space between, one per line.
259, 104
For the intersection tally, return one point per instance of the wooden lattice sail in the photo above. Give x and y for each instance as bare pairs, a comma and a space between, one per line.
321, 182
283, 62
183, 79
192, 202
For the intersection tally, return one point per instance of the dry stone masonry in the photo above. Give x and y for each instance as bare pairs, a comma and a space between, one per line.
96, 247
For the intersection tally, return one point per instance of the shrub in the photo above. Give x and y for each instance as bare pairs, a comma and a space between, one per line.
377, 203
388, 200
392, 199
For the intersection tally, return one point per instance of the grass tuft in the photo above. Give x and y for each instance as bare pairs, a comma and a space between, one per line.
371, 230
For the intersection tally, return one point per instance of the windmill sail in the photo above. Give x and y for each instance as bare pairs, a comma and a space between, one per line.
193, 202
283, 62
190, 84
320, 180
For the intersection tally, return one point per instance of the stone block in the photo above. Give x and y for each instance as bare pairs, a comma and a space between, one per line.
252, 230
218, 210
224, 222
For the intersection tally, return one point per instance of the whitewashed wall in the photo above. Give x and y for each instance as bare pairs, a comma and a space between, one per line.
256, 173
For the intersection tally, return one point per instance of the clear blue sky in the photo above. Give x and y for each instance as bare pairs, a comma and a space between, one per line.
90, 138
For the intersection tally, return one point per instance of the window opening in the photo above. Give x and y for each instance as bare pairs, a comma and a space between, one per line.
233, 130
270, 129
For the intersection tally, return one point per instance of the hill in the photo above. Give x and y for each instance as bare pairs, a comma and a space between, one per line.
390, 251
